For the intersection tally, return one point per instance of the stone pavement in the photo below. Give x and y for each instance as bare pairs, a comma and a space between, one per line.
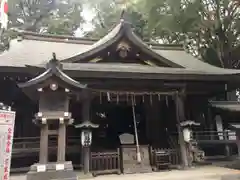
199, 173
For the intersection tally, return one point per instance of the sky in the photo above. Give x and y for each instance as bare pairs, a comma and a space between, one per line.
88, 15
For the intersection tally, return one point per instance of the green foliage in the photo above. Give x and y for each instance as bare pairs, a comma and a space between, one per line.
61, 17
108, 14
65, 20
207, 28
45, 16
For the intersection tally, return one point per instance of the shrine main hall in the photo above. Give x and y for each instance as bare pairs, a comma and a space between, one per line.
114, 105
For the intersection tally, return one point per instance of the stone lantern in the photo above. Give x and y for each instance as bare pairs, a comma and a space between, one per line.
187, 129
86, 141
86, 131
53, 90
193, 152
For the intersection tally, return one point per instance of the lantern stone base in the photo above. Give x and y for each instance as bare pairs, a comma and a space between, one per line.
52, 171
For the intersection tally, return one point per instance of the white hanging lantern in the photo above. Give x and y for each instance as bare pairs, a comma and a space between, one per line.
187, 134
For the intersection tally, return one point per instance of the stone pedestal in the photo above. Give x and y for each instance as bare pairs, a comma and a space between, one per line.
129, 159
52, 171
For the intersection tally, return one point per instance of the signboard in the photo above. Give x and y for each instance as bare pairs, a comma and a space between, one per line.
59, 167
7, 120
41, 168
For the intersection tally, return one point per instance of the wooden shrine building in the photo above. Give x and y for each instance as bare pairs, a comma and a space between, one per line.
129, 94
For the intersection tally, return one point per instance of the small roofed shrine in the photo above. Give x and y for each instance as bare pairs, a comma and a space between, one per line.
128, 99
52, 89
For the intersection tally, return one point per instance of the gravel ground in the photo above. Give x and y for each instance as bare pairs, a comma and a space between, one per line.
199, 173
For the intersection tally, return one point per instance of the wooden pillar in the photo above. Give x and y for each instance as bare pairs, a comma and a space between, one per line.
181, 117
86, 168
227, 147
86, 117
211, 124
61, 143
43, 154
238, 141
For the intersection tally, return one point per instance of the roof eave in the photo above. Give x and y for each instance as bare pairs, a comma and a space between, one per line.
52, 71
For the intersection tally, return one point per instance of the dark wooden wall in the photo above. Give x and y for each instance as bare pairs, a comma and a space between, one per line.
25, 108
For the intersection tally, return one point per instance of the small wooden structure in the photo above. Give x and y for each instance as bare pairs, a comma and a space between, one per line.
52, 89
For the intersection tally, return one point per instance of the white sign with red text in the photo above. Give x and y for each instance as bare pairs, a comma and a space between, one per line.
7, 121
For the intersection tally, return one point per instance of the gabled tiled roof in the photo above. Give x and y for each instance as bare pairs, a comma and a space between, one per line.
36, 50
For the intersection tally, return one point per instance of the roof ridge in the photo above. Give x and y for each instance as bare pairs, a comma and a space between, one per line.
54, 38
29, 35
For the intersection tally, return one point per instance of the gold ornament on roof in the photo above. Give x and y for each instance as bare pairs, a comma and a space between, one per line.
123, 48
123, 45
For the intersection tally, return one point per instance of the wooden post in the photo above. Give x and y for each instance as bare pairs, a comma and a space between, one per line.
211, 124
86, 151
227, 147
180, 117
61, 143
43, 154
86, 117
238, 142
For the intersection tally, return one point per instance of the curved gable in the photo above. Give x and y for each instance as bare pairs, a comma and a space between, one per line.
122, 45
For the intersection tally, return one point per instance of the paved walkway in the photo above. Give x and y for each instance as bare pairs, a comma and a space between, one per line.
200, 173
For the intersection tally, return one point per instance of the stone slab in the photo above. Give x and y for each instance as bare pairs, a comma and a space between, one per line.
52, 171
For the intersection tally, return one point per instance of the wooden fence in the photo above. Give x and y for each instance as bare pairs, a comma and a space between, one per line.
215, 135
105, 162
164, 158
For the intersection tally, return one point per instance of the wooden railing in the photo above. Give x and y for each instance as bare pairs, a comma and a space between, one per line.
164, 158
212, 135
215, 135
31, 145
105, 162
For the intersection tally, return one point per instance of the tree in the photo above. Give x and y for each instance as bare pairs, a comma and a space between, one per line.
208, 28
46, 16
61, 17
108, 14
